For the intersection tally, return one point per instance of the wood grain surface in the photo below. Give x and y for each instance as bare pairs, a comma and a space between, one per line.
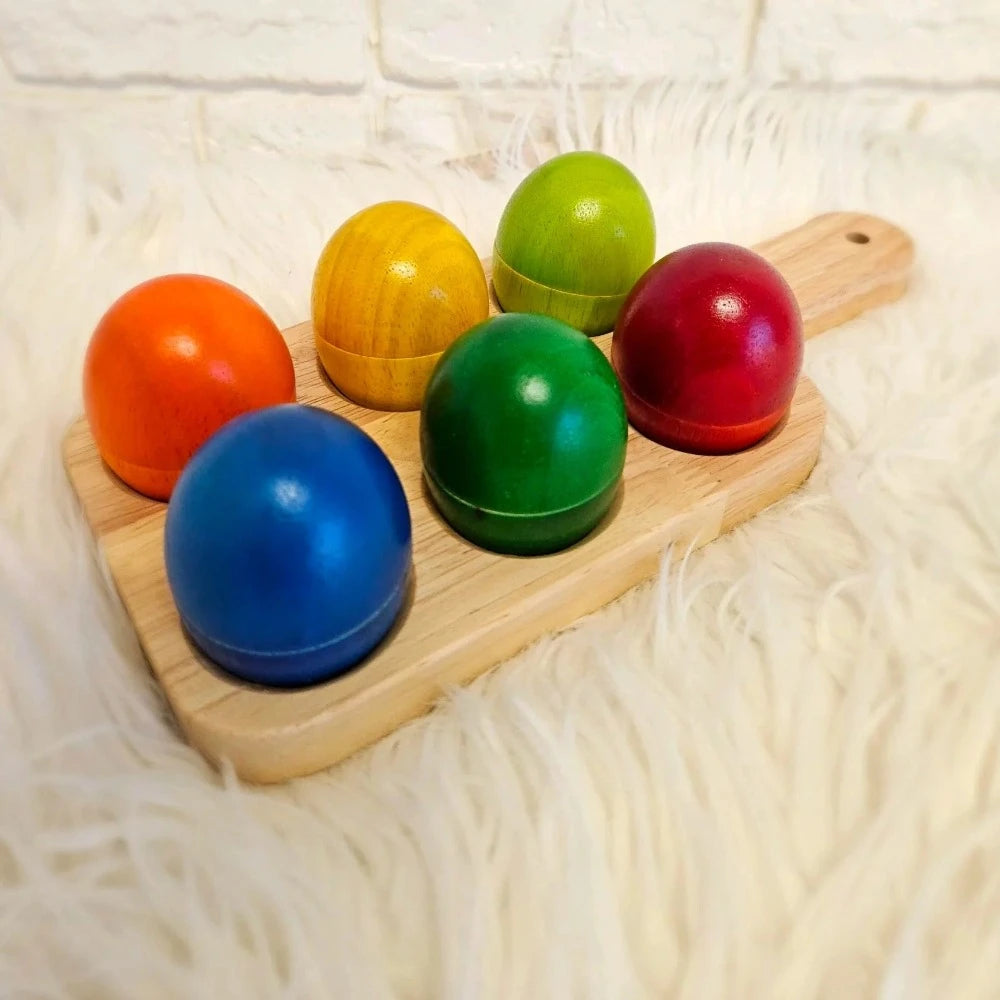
469, 609
394, 286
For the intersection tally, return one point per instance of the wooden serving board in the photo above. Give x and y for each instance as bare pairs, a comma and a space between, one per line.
468, 609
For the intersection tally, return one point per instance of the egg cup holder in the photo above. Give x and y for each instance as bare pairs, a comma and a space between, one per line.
468, 609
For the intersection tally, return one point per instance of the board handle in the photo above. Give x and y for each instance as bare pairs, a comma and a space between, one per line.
840, 264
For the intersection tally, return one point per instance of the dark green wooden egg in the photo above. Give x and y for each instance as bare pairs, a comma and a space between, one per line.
574, 238
522, 434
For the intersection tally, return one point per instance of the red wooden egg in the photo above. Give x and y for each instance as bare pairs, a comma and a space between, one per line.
708, 348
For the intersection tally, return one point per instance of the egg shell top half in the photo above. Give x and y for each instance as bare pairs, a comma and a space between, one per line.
397, 280
580, 223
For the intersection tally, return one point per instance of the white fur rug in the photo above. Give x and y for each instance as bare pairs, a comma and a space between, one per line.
774, 772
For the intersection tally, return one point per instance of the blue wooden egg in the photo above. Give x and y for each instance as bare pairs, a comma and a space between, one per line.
288, 546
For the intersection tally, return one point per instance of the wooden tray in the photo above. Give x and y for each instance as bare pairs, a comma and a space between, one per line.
469, 609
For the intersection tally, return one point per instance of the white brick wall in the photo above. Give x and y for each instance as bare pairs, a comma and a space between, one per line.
952, 41
324, 78
315, 42
526, 40
352, 45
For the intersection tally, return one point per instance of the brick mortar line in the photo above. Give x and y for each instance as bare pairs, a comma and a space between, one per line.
373, 38
755, 15
388, 87
373, 90
6, 70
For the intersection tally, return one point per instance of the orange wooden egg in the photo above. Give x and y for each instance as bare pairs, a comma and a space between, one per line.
394, 286
169, 363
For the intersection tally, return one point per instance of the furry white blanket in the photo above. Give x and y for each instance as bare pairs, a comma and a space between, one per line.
773, 772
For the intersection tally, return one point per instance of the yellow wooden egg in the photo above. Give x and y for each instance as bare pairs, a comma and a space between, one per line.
394, 286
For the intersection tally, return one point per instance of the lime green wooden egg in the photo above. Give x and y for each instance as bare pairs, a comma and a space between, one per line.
576, 235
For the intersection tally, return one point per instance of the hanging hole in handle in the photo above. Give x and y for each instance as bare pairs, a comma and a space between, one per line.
859, 237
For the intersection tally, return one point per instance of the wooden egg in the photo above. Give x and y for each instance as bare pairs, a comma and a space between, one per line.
523, 434
394, 286
575, 236
287, 546
708, 348
169, 363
